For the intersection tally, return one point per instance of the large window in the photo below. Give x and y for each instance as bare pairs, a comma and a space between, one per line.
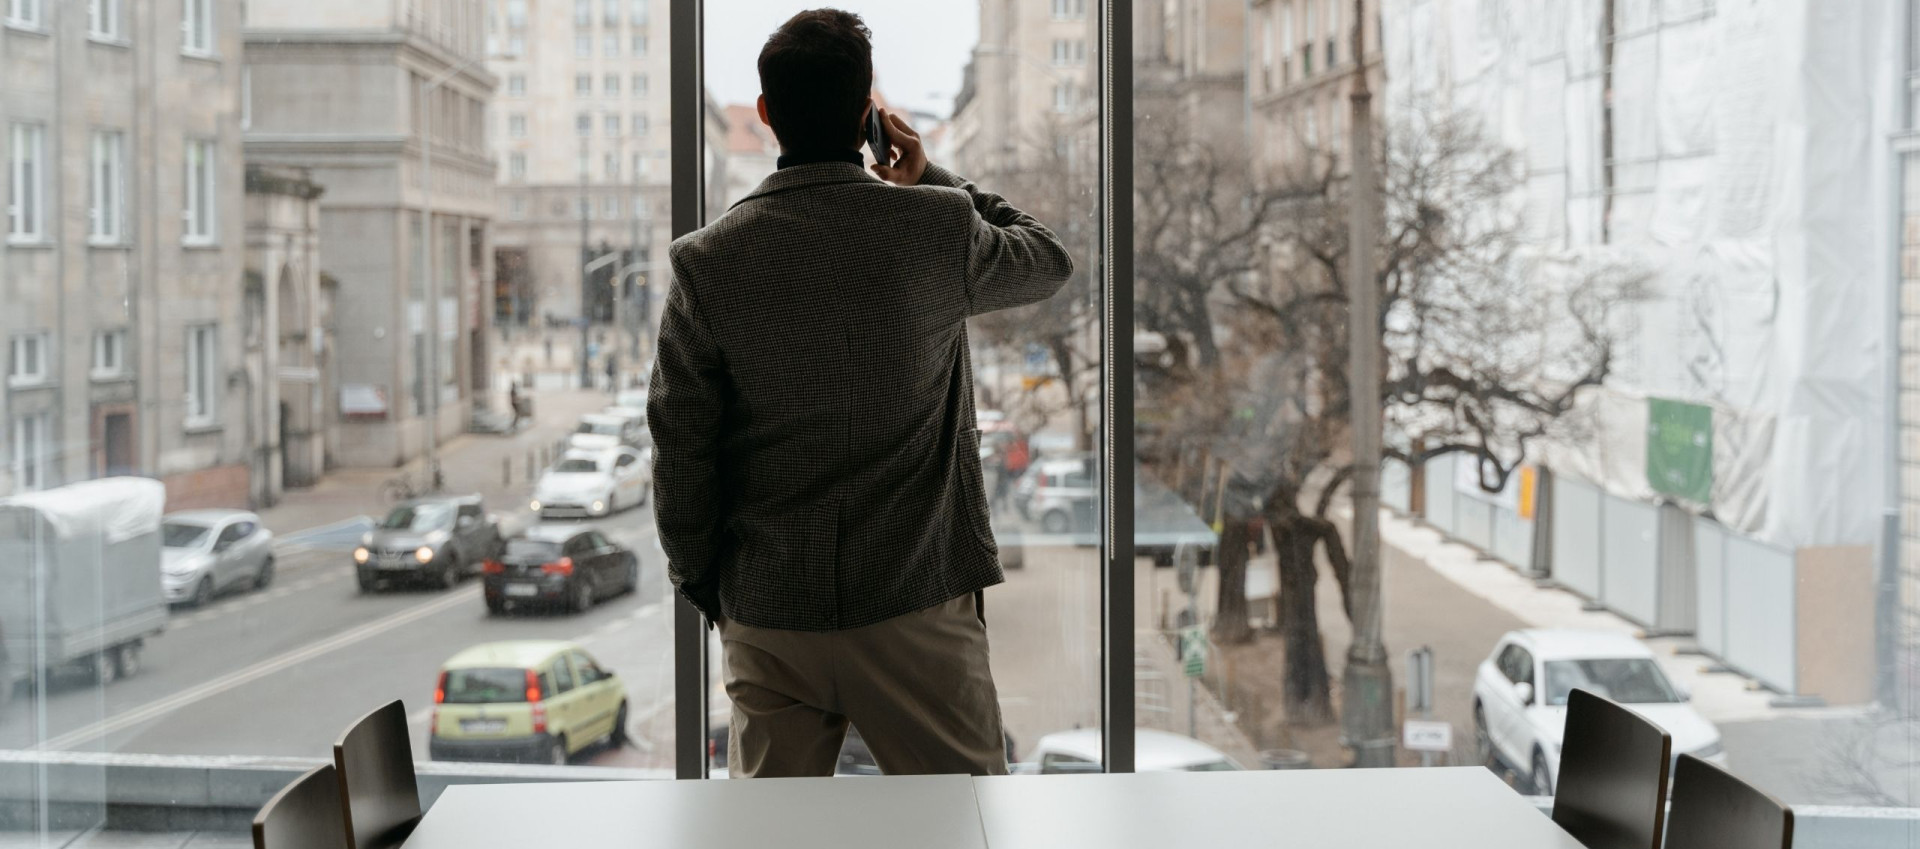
28, 364
109, 354
24, 13
106, 215
32, 450
104, 20
27, 183
201, 201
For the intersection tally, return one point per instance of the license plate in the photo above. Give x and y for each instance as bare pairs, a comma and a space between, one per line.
395, 562
483, 726
522, 590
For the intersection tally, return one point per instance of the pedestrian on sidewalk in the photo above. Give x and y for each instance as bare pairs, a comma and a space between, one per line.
838, 536
613, 372
549, 342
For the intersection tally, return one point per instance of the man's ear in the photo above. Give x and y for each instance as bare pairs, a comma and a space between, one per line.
760, 106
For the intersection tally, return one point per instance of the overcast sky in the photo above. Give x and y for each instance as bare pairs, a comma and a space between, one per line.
919, 46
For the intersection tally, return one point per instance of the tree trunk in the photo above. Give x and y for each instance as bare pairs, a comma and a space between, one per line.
1230, 611
1308, 688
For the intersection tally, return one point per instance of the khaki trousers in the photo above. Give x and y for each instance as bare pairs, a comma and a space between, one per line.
917, 686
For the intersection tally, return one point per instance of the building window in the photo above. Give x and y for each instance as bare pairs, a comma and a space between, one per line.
1079, 51
1063, 97
639, 170
109, 353
639, 125
583, 208
583, 124
583, 46
517, 14
246, 98
28, 366
638, 13
639, 203
583, 13
517, 126
611, 13
105, 213
32, 454
1069, 9
1062, 51
196, 27
517, 166
203, 363
517, 85
516, 45
611, 85
639, 85
613, 126
610, 207
610, 165
517, 208
610, 44
26, 184
199, 209
582, 85
103, 19
24, 13
639, 50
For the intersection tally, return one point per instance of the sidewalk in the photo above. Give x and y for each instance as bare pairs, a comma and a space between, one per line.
495, 466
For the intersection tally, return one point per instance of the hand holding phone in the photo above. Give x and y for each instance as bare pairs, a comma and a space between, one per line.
877, 138
905, 170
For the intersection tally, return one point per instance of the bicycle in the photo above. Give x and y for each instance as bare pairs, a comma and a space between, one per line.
403, 487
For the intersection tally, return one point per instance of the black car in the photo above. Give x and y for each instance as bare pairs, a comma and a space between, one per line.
438, 540
559, 564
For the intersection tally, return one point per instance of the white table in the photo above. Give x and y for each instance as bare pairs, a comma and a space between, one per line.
1343, 809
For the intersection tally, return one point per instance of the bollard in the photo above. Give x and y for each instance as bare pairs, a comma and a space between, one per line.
506, 471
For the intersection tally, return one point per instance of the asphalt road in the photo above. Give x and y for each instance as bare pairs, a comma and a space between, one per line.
282, 671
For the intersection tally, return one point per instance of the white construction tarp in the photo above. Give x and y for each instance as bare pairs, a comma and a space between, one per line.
1749, 177
116, 509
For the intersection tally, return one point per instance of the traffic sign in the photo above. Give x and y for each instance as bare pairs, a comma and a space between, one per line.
1420, 735
1193, 651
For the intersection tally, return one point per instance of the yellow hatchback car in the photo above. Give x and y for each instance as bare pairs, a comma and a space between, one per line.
525, 701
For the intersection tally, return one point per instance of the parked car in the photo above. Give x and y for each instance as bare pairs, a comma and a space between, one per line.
525, 701
593, 483
559, 564
439, 539
1058, 491
631, 398
207, 552
1078, 751
626, 429
1520, 698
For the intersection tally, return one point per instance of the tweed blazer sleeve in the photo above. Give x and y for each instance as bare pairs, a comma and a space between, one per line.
1013, 260
685, 403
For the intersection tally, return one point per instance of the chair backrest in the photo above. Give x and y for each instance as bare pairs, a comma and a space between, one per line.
375, 762
1612, 788
306, 814
1714, 810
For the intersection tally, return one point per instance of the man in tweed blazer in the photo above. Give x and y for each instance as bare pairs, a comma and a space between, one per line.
816, 458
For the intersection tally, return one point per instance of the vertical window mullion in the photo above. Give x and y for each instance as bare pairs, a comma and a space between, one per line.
1114, 103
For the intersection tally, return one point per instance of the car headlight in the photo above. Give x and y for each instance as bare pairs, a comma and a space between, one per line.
534, 505
423, 554
361, 555
1710, 750
599, 505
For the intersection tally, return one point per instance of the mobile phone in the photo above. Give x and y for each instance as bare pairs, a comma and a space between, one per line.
877, 138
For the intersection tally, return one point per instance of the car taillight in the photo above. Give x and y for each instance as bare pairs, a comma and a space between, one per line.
440, 690
539, 718
492, 567
563, 566
533, 686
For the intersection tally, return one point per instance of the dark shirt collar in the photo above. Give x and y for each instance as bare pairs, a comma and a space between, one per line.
788, 160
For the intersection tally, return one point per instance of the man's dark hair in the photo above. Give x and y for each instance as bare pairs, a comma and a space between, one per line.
816, 72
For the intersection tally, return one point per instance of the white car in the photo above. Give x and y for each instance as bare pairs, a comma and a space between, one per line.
1078, 751
634, 398
594, 427
204, 552
1520, 698
593, 483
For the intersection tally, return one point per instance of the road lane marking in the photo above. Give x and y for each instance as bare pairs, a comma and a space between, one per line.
161, 707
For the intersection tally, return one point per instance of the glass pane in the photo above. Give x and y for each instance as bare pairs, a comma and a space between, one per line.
976, 81
1612, 395
278, 322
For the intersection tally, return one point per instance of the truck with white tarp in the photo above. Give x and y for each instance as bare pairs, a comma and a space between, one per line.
80, 579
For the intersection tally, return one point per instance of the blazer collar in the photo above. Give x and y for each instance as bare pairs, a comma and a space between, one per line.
811, 174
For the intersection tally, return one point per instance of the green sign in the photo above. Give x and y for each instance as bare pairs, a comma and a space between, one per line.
1193, 651
1680, 449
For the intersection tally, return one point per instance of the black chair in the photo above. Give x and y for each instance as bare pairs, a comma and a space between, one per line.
1714, 810
303, 815
1614, 766
375, 762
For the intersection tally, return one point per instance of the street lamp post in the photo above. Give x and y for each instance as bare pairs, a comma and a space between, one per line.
1366, 709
